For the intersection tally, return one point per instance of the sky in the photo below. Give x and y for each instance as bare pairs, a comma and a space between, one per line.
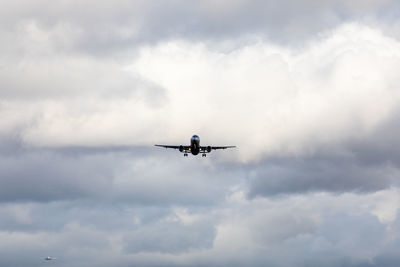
308, 91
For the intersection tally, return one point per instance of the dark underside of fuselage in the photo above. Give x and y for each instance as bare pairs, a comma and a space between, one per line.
194, 150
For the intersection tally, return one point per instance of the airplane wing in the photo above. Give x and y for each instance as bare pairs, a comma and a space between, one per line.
175, 147
207, 149
166, 146
221, 147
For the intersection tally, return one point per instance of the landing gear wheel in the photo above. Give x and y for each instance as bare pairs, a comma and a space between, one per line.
185, 155
204, 155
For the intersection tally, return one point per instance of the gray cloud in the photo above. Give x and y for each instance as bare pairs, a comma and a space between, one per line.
134, 175
314, 229
363, 164
101, 28
336, 174
170, 237
306, 90
44, 176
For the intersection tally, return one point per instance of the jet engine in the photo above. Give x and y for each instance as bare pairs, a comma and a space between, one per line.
181, 148
208, 149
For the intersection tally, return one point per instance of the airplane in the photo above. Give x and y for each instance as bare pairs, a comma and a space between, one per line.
48, 258
195, 147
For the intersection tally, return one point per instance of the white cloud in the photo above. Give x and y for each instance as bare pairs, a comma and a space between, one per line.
262, 98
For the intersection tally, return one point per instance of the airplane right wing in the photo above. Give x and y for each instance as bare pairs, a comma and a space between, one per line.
181, 148
167, 146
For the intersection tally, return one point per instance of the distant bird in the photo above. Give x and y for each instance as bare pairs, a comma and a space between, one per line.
195, 147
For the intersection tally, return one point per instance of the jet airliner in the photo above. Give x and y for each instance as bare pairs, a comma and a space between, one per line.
195, 147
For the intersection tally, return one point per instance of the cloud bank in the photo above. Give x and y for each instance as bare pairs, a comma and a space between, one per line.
308, 92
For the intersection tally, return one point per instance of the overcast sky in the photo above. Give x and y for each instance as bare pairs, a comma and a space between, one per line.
308, 91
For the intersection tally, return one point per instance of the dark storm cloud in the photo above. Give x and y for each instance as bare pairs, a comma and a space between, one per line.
127, 174
364, 164
46, 176
332, 174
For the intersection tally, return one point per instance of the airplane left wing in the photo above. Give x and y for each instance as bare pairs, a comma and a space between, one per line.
221, 147
207, 149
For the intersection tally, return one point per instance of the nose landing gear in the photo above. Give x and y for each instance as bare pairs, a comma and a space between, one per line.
204, 155
185, 154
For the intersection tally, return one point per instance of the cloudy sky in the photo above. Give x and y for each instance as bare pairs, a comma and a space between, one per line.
309, 91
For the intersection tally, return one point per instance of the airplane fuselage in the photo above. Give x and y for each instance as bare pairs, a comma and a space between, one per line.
195, 145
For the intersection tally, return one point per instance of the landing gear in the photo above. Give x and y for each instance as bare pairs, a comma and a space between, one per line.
204, 155
185, 155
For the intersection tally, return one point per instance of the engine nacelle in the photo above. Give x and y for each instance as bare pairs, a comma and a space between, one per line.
208, 149
181, 148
